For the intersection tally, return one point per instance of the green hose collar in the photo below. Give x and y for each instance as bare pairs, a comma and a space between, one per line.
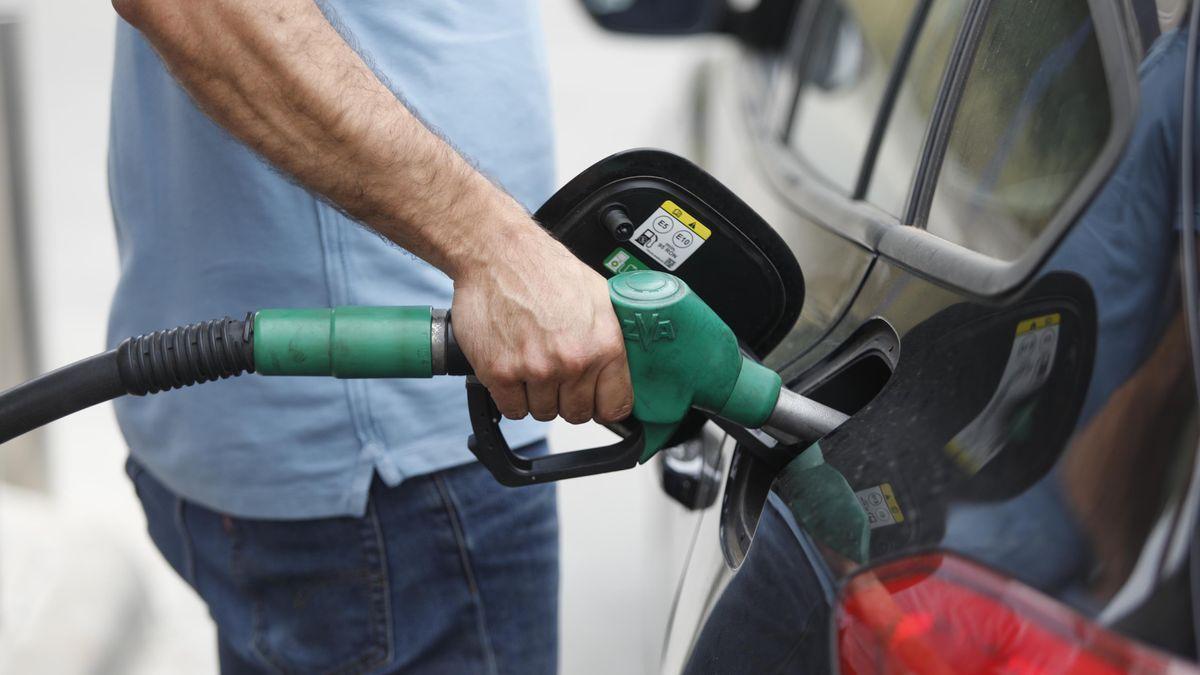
754, 395
346, 342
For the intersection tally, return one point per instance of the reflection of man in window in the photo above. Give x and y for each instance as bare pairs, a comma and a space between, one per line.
1125, 245
1031, 122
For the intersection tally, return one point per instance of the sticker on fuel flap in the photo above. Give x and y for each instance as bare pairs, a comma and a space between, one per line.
670, 235
1030, 362
621, 260
880, 505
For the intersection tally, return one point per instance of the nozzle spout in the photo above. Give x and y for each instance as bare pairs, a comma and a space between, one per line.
799, 420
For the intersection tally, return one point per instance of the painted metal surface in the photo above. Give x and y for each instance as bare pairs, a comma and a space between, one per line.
1047, 430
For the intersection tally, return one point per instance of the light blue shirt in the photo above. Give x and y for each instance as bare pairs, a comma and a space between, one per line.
1126, 243
206, 229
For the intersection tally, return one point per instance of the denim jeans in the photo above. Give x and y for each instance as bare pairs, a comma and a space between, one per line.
445, 573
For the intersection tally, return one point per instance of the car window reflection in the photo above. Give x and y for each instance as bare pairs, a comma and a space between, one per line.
1031, 121
983, 437
853, 44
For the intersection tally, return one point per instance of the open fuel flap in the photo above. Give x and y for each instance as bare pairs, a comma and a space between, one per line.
649, 209
652, 210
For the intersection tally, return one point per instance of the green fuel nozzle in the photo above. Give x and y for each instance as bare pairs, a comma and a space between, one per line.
825, 505
682, 356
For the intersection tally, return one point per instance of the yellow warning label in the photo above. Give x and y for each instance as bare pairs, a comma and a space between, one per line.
961, 456
894, 506
1038, 323
686, 218
880, 505
1030, 362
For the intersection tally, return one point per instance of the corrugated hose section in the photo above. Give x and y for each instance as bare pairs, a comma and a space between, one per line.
187, 355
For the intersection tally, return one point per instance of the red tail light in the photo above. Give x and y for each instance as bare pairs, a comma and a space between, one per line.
942, 614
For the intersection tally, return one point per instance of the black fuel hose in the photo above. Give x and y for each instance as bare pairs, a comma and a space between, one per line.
59, 393
146, 364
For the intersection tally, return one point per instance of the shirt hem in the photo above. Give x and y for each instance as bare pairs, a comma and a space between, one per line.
334, 494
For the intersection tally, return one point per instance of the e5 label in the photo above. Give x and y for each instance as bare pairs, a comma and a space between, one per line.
670, 235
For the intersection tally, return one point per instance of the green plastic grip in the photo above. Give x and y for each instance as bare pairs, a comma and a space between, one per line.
347, 342
682, 355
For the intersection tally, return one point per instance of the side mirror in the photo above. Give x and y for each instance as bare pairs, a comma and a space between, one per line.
764, 26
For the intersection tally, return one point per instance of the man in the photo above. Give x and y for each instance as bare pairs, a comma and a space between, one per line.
337, 525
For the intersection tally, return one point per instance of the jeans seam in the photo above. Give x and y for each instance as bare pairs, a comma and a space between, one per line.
185, 539
266, 661
380, 588
235, 569
450, 503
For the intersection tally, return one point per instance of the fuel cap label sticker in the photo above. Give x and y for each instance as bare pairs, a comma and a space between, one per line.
670, 235
880, 505
1006, 418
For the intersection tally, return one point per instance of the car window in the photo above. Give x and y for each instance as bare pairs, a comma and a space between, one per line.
904, 134
1033, 116
850, 46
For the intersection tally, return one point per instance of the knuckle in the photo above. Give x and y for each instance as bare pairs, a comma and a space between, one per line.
510, 410
577, 416
616, 413
511, 407
613, 345
581, 355
576, 363
539, 370
505, 374
543, 416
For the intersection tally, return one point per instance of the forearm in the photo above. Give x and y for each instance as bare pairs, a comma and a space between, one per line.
535, 323
278, 77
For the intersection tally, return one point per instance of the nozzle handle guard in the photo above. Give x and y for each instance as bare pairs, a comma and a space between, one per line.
488, 445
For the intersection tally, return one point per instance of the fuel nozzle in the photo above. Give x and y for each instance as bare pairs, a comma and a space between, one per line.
683, 356
825, 505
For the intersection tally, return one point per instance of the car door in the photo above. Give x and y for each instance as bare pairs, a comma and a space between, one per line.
1047, 432
750, 118
798, 135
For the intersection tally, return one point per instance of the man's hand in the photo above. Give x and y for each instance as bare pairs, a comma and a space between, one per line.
534, 322
541, 335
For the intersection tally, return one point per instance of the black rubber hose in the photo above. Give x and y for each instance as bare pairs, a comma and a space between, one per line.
181, 357
146, 364
59, 393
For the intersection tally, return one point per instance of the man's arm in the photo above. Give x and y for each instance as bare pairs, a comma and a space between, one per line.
536, 324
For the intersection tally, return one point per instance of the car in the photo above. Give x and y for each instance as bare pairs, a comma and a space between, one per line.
983, 196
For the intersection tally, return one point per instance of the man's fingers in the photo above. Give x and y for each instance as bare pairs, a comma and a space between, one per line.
545, 341
614, 392
543, 399
510, 400
577, 399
